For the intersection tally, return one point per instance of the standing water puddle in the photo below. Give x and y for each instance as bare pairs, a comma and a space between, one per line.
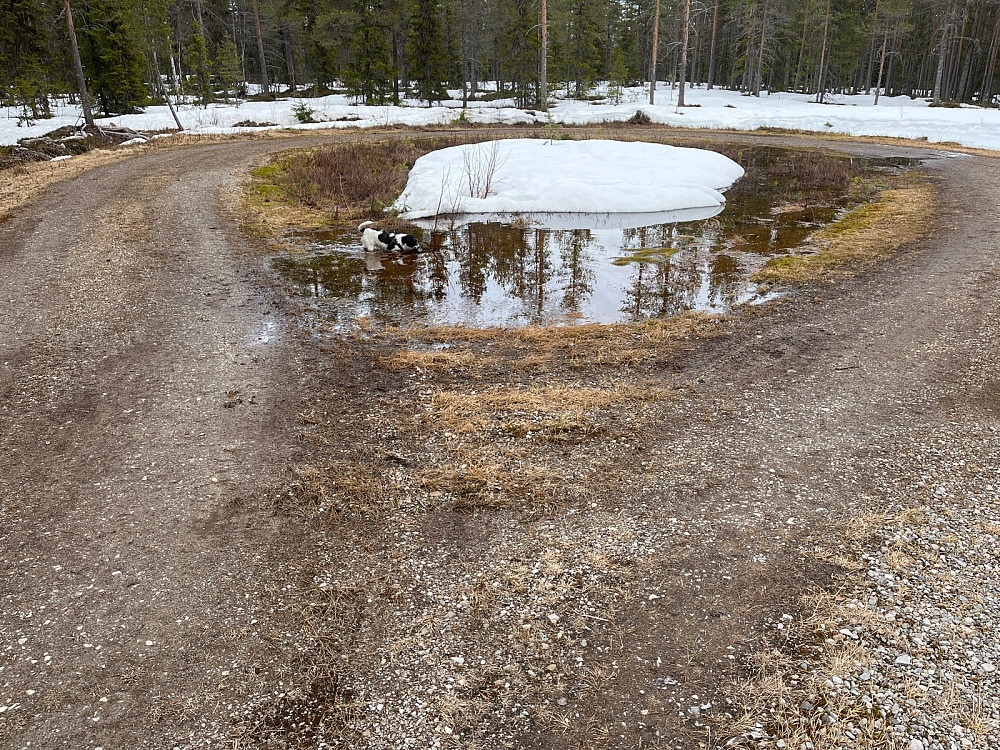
619, 268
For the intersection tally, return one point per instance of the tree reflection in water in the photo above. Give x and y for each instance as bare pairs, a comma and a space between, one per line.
502, 274
494, 273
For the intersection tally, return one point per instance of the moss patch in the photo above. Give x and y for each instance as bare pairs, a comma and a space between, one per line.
866, 235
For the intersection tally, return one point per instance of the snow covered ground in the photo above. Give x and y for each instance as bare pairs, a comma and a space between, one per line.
530, 175
854, 115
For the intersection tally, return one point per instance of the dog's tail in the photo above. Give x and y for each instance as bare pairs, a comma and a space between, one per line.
364, 224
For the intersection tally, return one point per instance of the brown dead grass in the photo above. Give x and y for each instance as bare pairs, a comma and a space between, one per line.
541, 348
533, 411
22, 184
499, 478
347, 181
361, 487
865, 236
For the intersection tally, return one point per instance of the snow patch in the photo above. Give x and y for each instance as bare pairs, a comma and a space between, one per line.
532, 176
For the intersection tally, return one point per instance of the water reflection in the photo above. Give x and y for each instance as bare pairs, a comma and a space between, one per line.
496, 274
507, 273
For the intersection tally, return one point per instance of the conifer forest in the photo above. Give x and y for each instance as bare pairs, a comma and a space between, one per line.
131, 53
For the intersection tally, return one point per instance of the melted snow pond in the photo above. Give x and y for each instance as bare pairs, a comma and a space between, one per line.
594, 268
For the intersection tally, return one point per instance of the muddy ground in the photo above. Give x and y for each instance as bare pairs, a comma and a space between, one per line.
217, 528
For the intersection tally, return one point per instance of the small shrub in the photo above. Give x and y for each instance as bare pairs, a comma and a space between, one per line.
303, 112
640, 118
554, 131
359, 177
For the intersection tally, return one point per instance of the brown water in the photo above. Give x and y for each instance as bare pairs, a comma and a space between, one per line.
503, 273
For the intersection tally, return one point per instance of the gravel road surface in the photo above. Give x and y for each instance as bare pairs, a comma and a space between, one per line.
148, 399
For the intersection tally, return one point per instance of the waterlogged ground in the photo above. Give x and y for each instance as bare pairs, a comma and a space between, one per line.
559, 269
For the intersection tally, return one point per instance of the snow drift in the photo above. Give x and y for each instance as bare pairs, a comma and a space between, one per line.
537, 176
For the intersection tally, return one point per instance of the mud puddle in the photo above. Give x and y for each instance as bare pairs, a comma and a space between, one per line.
585, 268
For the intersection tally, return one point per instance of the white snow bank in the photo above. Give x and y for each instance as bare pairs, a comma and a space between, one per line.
536, 176
853, 115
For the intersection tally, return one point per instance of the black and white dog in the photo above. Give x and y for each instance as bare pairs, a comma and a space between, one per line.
378, 240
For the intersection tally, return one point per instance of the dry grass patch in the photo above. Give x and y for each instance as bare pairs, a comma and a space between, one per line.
539, 348
346, 181
487, 479
437, 360
532, 411
363, 487
22, 184
868, 234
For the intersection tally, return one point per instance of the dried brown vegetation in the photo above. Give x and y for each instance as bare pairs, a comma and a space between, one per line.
349, 181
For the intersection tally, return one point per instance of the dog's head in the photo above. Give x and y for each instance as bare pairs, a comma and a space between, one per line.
408, 242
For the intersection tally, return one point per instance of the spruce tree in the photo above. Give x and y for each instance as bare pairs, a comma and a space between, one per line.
369, 74
227, 67
428, 57
585, 44
25, 56
198, 64
111, 56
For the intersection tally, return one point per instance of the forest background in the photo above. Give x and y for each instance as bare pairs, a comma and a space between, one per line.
139, 52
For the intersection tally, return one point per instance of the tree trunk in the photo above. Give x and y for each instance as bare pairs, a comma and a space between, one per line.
821, 83
957, 60
156, 69
759, 72
81, 81
286, 35
881, 63
749, 55
893, 53
711, 51
464, 29
656, 43
986, 91
163, 91
544, 93
871, 57
942, 55
685, 23
264, 87
696, 76
802, 54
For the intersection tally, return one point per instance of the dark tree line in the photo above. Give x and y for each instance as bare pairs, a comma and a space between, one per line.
137, 52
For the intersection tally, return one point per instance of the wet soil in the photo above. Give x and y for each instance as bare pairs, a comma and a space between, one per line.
594, 268
170, 583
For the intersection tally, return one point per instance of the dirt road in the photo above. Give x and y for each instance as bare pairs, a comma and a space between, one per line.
144, 383
148, 401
